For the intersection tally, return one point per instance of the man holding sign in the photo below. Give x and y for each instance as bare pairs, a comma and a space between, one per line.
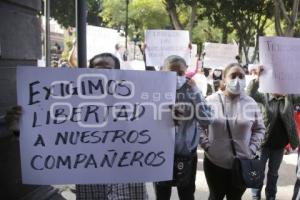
111, 143
191, 112
277, 78
135, 191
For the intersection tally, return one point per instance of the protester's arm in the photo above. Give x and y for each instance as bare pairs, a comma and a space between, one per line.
8, 123
253, 86
252, 91
258, 132
203, 111
73, 56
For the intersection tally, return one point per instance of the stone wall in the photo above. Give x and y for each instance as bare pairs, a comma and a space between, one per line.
20, 43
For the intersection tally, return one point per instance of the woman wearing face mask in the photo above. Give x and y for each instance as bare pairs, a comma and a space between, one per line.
188, 98
247, 130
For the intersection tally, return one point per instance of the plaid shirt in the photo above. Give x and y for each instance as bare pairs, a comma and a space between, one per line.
129, 191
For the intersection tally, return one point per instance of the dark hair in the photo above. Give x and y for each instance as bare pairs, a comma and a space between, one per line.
228, 67
105, 55
174, 60
150, 68
206, 72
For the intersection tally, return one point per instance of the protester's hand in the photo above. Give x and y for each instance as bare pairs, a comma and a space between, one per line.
258, 71
191, 83
12, 118
176, 114
144, 46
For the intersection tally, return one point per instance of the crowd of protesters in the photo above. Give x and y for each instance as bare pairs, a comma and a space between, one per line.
263, 132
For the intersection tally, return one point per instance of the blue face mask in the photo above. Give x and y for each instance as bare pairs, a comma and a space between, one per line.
236, 86
180, 81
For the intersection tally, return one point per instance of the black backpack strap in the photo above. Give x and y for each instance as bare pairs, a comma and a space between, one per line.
228, 128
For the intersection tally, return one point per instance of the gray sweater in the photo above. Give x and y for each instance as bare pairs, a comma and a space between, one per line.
246, 125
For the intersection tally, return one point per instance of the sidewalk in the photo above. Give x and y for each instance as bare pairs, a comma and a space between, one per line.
287, 178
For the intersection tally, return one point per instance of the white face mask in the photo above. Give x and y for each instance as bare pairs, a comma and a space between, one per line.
236, 86
180, 81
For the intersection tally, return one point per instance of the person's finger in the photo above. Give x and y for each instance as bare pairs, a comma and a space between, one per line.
18, 111
17, 108
261, 69
178, 112
145, 46
191, 82
14, 110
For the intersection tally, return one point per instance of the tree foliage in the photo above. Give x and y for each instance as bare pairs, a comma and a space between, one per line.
143, 14
183, 9
286, 16
206, 20
64, 12
247, 19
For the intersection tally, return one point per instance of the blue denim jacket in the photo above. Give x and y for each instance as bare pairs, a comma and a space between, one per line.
195, 111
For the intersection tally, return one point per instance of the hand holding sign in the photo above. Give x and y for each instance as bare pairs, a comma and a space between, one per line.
89, 126
12, 118
257, 71
191, 83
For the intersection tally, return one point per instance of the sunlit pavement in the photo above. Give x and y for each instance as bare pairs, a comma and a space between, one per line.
287, 178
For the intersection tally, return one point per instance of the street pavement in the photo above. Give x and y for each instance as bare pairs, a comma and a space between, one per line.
287, 178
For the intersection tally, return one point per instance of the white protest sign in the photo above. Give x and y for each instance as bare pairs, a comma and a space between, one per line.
89, 126
163, 43
134, 65
194, 53
100, 40
217, 55
280, 57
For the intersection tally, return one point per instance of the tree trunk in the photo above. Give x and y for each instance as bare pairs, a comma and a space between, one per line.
175, 21
171, 8
277, 14
290, 19
192, 20
245, 51
225, 35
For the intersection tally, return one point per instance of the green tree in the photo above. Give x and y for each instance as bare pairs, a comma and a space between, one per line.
204, 32
247, 19
64, 12
143, 14
286, 16
183, 13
